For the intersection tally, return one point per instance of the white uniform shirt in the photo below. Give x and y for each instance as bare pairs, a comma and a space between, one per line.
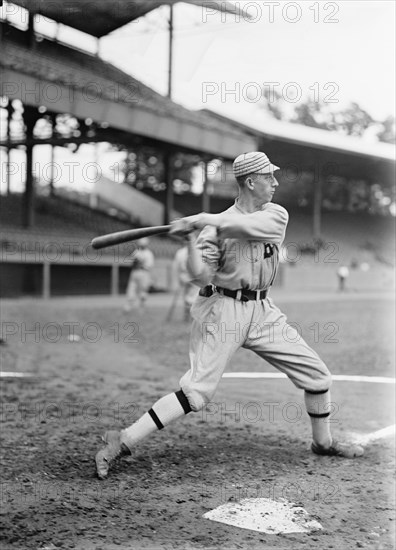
343, 271
244, 251
143, 258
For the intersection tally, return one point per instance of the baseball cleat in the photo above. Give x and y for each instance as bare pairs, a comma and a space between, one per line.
114, 449
345, 450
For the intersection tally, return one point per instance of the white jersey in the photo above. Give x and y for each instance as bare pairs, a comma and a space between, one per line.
143, 258
244, 251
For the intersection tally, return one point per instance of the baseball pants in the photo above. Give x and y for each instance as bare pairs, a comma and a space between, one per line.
221, 325
138, 286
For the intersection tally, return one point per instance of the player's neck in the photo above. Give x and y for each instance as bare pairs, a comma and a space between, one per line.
247, 204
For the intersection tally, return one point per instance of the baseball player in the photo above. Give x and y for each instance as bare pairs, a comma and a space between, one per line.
182, 277
140, 276
234, 257
342, 274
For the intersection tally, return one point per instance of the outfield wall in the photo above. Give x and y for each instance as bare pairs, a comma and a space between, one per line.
47, 280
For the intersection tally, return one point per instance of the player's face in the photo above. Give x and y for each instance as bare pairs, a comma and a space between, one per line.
265, 186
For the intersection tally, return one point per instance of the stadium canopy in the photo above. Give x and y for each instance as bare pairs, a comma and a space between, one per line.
306, 148
100, 17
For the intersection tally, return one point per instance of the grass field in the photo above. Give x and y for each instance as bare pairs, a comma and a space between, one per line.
52, 423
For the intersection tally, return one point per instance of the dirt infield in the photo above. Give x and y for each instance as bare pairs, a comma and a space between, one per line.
253, 441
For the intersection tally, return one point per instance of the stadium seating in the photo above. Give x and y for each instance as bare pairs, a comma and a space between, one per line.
59, 219
64, 228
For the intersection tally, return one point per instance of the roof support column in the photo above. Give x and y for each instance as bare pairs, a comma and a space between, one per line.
30, 117
205, 195
30, 32
10, 110
317, 208
51, 183
28, 203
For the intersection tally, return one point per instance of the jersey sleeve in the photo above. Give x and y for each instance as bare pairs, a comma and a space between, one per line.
208, 246
267, 225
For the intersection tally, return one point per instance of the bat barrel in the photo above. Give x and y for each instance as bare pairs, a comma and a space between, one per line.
129, 235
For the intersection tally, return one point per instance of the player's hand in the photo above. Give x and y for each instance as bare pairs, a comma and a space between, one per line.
189, 224
185, 226
181, 227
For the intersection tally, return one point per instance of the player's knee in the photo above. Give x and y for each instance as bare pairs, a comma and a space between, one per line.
197, 399
321, 381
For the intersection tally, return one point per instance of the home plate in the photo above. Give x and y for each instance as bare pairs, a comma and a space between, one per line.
265, 516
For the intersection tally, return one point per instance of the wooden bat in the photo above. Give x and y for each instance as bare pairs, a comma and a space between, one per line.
120, 237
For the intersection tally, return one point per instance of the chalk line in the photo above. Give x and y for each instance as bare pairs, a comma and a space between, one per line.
15, 374
255, 375
337, 377
365, 439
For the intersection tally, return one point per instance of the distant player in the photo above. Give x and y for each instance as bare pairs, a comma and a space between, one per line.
342, 274
140, 277
182, 278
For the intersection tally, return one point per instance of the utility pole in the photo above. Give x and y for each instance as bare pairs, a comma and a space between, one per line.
168, 176
168, 154
170, 52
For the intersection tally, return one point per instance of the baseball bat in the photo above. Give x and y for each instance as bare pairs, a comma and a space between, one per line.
120, 237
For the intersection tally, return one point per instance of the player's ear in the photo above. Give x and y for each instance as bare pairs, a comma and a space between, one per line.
249, 183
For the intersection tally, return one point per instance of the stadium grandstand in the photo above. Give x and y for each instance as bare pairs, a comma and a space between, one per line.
121, 110
77, 98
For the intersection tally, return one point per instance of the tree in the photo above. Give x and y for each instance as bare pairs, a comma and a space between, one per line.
387, 131
352, 120
144, 168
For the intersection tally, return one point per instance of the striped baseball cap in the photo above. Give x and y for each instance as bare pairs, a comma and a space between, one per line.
253, 163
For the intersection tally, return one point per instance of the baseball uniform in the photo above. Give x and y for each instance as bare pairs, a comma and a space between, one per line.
140, 278
244, 254
180, 270
235, 260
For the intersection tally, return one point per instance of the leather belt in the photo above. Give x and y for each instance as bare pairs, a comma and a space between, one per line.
243, 294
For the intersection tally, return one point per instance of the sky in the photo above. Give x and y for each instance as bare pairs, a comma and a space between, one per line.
336, 52
333, 52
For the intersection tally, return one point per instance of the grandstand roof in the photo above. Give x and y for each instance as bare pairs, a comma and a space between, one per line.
122, 101
313, 137
287, 143
101, 17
